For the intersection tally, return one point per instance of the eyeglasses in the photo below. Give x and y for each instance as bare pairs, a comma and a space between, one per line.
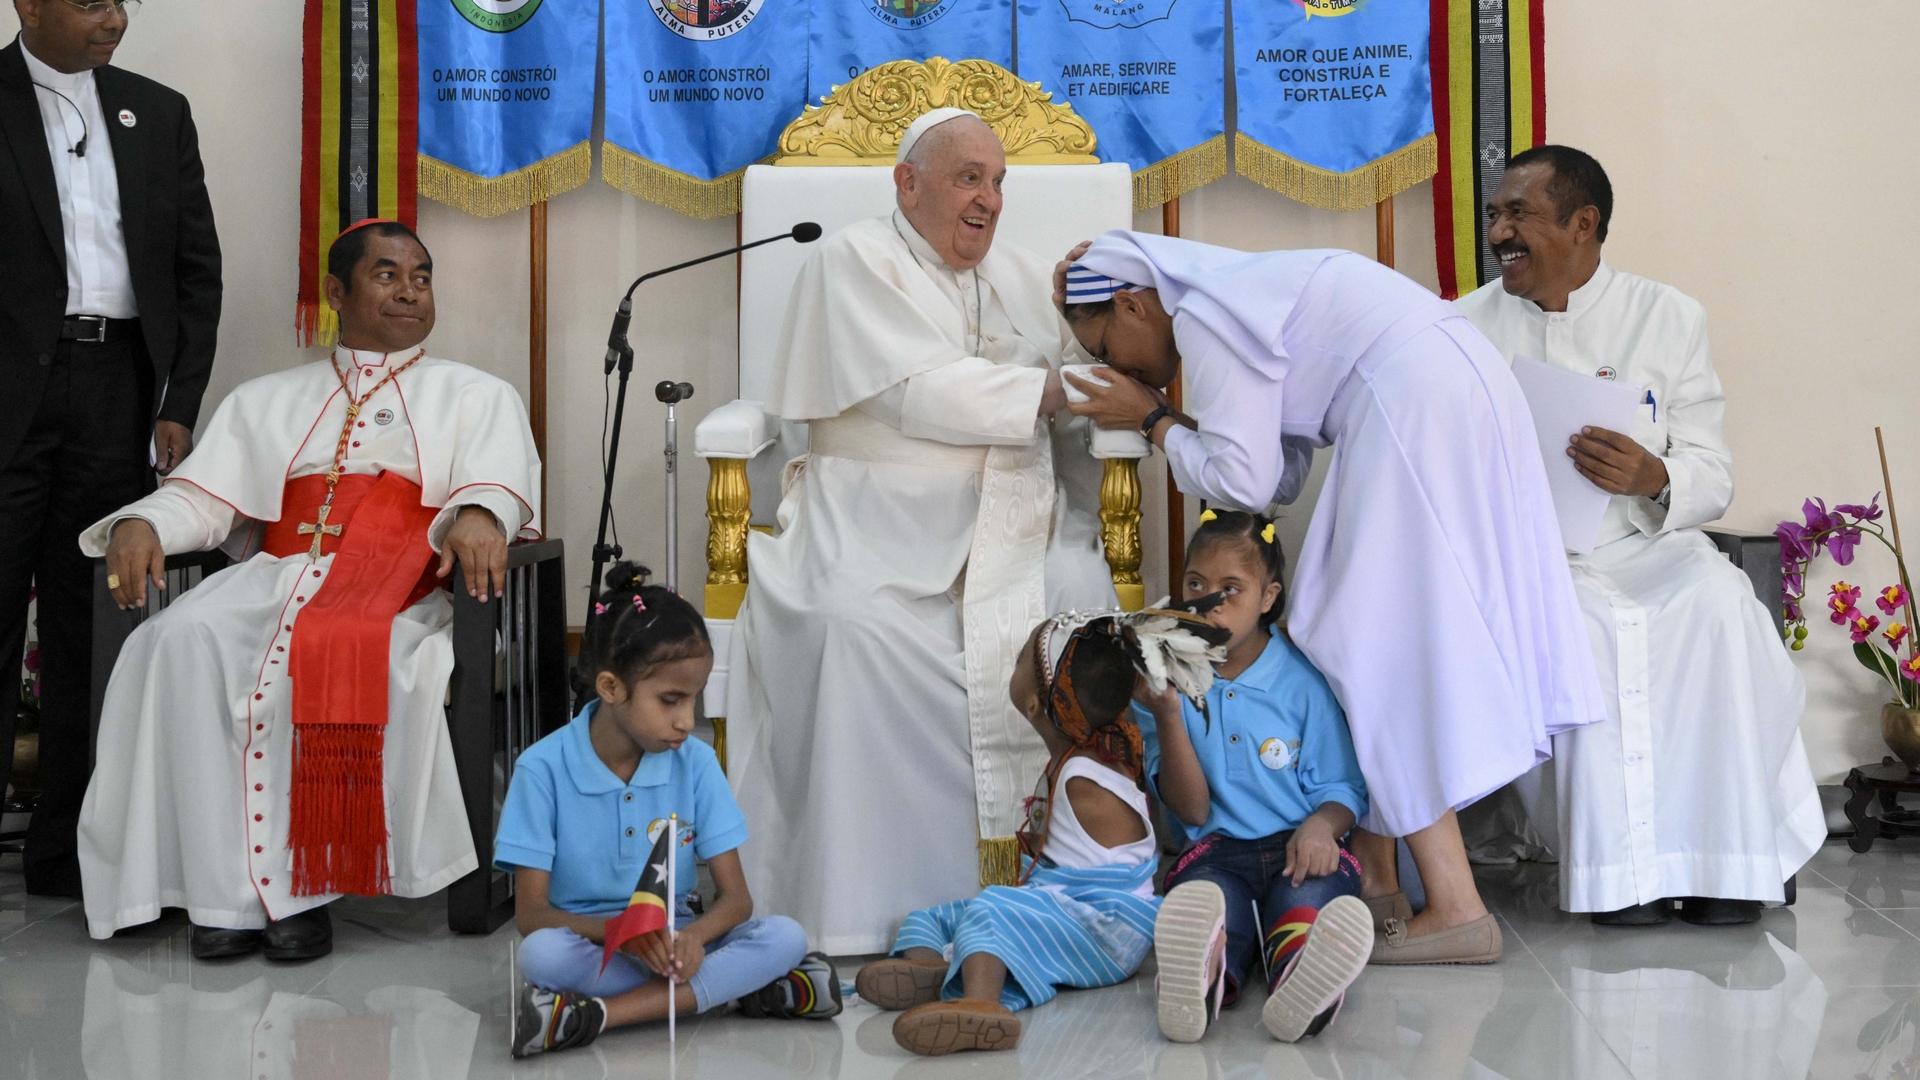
98, 10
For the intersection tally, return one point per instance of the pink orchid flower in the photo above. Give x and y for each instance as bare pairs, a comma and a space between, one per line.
1862, 626
1910, 667
1892, 598
1895, 634
1869, 512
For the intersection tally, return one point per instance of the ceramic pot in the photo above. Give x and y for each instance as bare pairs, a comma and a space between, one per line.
1900, 727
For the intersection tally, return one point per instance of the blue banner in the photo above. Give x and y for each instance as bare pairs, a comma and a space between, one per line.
697, 90
1149, 75
506, 100
850, 36
1336, 101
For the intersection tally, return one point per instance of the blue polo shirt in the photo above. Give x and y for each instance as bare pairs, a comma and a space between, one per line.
1276, 750
569, 815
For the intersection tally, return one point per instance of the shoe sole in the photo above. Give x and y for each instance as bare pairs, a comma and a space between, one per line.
935, 1034
899, 986
1191, 918
526, 1028
309, 952
1337, 950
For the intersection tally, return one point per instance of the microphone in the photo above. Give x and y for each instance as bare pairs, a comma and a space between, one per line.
620, 353
672, 393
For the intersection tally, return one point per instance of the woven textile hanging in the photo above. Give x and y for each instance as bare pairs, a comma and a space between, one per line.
1489, 103
359, 119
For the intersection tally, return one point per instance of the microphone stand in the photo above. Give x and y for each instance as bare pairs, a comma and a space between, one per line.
671, 393
620, 357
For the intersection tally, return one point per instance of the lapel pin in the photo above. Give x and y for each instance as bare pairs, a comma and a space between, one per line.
126, 118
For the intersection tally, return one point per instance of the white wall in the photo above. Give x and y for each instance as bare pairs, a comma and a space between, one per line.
1760, 160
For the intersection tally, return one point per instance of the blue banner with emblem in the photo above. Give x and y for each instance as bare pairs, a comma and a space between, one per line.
848, 37
1335, 98
1149, 75
697, 90
506, 100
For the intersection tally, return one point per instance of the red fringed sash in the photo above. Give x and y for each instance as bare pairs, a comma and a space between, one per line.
338, 662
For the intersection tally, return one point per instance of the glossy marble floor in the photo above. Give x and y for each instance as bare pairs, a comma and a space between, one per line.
1827, 988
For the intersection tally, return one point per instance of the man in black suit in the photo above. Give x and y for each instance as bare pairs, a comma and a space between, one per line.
109, 307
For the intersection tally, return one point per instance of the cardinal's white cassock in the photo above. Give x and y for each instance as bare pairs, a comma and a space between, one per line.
935, 521
1697, 784
189, 802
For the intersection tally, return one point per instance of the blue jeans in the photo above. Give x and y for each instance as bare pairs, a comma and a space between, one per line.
749, 957
1248, 872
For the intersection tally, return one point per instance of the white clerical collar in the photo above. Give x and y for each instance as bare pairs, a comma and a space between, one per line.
359, 358
39, 72
1582, 299
918, 244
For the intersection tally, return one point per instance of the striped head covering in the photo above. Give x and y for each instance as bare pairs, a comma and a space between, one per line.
1088, 286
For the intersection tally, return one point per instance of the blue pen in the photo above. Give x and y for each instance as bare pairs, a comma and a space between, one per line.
1656, 408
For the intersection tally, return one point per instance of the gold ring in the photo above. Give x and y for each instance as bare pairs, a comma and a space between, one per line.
113, 581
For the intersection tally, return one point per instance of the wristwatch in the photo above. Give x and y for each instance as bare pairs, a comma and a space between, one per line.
1154, 417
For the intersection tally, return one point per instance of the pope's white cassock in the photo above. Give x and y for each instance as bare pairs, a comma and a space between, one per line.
934, 522
1697, 784
189, 798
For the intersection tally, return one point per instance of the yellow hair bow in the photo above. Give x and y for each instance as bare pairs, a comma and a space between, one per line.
1267, 533
1206, 516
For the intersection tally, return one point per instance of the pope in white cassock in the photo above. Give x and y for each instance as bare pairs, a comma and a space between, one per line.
276, 736
941, 513
1697, 787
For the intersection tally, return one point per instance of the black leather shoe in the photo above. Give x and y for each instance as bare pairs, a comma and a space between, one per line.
1651, 914
214, 942
1713, 911
306, 936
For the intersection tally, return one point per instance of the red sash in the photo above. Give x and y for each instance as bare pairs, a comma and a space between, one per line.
382, 564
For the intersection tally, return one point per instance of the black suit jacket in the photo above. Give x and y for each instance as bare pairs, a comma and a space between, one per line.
173, 254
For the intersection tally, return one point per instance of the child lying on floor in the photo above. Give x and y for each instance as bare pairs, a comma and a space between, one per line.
1084, 915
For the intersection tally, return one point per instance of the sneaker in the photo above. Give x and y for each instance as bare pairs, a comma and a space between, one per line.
942, 1027
1190, 943
547, 1020
1315, 979
901, 982
810, 991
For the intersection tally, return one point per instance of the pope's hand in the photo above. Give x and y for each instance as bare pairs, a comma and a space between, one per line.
1123, 402
134, 556
476, 540
1054, 397
1617, 464
1060, 274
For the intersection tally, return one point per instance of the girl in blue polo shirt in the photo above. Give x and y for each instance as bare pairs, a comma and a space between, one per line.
1264, 784
582, 814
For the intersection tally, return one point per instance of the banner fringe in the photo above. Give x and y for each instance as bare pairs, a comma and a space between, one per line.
1000, 861
484, 196
1169, 178
1376, 181
624, 170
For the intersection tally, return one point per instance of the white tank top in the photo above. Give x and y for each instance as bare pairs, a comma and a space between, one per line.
1068, 844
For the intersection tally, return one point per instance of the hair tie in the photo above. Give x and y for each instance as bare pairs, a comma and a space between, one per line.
1206, 516
599, 609
1267, 533
639, 604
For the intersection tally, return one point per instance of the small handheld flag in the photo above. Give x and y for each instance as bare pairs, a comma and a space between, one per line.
652, 900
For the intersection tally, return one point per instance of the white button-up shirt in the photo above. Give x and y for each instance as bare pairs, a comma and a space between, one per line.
98, 281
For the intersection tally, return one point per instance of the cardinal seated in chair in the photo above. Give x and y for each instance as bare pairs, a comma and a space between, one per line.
276, 737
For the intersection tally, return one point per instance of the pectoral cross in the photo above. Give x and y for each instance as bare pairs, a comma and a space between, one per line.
320, 530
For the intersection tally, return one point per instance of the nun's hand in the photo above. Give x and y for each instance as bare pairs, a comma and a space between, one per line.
1060, 274
1120, 403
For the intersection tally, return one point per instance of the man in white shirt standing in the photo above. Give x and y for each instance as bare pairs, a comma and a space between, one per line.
1697, 788
109, 309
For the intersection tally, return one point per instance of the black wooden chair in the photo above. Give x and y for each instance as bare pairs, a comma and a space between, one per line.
509, 688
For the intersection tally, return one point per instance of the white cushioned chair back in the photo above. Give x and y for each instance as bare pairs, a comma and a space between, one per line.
1049, 208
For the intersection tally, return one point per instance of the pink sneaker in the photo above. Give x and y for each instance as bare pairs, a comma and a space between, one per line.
1315, 980
1190, 944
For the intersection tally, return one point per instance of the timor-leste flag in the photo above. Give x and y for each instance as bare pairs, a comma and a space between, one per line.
651, 902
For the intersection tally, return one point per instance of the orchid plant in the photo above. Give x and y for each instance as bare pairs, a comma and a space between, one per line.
1887, 648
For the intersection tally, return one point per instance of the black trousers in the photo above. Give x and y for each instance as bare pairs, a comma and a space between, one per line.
85, 456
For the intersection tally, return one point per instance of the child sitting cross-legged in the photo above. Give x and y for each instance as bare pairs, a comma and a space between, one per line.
585, 808
1264, 783
1083, 916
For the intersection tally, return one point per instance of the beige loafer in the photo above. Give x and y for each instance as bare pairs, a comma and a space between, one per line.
1386, 906
1477, 942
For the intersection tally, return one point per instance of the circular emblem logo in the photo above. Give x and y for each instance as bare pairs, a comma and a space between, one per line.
497, 16
705, 20
383, 417
1275, 754
908, 14
1606, 373
126, 118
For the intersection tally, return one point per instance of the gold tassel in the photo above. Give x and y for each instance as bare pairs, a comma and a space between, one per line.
484, 196
1376, 181
1000, 861
1169, 178
683, 194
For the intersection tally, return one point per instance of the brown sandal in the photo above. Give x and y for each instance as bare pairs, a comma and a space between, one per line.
901, 982
943, 1027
